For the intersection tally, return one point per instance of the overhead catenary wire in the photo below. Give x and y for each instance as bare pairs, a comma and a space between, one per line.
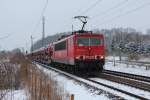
91, 7
122, 5
126, 13
41, 16
78, 12
111, 8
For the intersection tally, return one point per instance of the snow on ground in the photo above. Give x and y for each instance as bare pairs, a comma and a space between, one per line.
16, 95
142, 59
116, 58
83, 93
125, 87
80, 91
121, 67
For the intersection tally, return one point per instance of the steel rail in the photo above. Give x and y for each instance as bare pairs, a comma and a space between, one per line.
125, 81
120, 90
128, 75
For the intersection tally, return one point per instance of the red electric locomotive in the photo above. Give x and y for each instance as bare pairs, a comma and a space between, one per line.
82, 50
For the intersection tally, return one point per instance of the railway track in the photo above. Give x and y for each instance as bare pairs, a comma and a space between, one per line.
137, 81
94, 84
127, 75
126, 81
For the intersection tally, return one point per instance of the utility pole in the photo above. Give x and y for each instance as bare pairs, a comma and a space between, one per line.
31, 44
26, 52
72, 28
43, 31
120, 43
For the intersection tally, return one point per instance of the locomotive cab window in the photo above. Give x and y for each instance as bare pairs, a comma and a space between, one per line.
83, 41
86, 41
60, 46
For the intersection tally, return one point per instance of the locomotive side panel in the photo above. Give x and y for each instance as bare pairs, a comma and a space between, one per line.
71, 51
60, 52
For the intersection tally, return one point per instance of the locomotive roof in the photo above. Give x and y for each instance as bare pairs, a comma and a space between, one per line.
77, 34
82, 32
62, 39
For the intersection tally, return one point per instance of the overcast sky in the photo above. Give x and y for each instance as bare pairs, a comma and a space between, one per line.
19, 19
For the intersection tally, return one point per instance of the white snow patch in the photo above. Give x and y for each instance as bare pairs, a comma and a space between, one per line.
141, 59
80, 92
115, 57
16, 95
132, 69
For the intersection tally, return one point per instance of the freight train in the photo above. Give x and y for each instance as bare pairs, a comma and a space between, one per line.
80, 51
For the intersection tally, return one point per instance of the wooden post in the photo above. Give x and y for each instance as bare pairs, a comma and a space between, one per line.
72, 97
147, 66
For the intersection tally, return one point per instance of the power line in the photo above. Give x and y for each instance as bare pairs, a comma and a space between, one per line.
124, 3
88, 9
91, 7
31, 44
126, 13
41, 16
112, 8
43, 31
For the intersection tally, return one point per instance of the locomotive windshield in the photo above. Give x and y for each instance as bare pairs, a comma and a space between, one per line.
86, 41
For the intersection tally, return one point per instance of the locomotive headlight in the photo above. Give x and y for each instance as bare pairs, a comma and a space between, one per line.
99, 57
78, 57
102, 57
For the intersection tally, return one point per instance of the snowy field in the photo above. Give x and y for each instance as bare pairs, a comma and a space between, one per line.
142, 59
121, 67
